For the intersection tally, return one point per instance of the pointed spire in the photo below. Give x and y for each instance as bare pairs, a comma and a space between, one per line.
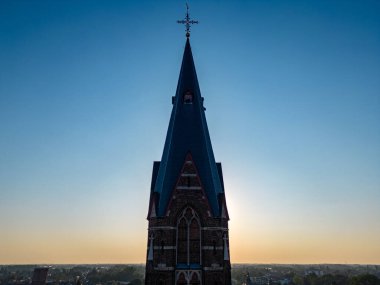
188, 133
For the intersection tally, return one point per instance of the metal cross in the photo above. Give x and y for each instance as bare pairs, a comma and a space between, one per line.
187, 22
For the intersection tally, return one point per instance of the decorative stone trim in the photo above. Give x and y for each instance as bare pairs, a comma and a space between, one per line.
205, 247
164, 268
213, 268
188, 188
189, 175
214, 228
165, 247
162, 228
188, 275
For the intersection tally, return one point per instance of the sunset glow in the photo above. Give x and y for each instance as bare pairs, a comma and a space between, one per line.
292, 96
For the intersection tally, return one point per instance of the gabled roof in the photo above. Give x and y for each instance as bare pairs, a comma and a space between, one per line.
187, 133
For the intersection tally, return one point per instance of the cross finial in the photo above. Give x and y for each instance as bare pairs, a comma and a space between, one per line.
187, 22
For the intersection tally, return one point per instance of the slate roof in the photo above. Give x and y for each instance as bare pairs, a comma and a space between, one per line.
187, 132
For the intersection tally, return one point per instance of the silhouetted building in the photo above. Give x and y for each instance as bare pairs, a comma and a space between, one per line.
248, 280
40, 275
188, 218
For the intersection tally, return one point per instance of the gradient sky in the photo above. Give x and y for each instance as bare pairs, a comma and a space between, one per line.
292, 90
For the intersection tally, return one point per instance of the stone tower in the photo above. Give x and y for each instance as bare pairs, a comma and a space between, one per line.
188, 240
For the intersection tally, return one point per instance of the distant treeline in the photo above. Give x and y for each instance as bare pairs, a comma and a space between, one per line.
334, 274
331, 274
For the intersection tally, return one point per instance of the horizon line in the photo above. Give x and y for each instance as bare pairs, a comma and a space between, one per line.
143, 263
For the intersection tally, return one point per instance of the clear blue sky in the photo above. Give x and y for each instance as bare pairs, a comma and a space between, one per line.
292, 90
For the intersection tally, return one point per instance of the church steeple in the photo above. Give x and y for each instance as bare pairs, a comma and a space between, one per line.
188, 218
188, 134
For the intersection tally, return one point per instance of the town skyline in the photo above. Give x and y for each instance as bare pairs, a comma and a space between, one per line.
292, 97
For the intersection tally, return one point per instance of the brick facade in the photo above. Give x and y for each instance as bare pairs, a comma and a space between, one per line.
167, 265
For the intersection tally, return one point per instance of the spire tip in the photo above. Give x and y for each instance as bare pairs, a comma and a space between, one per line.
187, 22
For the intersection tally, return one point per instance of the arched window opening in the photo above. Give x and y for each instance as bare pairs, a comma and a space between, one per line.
195, 279
182, 242
189, 238
188, 214
181, 279
188, 98
194, 239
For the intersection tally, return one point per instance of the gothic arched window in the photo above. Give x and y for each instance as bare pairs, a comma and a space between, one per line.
181, 279
195, 279
188, 237
194, 240
182, 241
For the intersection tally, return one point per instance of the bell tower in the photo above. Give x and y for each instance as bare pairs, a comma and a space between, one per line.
188, 241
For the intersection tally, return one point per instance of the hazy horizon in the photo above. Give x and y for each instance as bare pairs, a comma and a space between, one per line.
143, 264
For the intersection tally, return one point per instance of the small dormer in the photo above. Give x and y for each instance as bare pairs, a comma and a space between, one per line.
188, 97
